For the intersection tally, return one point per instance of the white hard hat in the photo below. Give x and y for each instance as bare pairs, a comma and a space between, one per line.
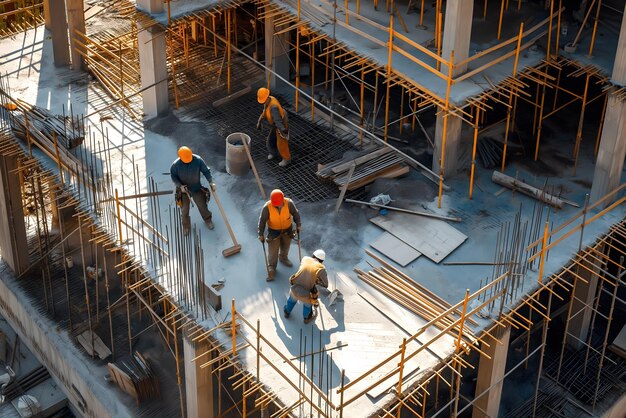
319, 254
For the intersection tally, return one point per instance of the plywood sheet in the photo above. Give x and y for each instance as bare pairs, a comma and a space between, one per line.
395, 249
432, 237
86, 339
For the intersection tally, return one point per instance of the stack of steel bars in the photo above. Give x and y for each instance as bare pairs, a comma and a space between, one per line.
409, 294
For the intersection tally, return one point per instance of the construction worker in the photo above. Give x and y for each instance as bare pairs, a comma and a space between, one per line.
303, 285
185, 172
278, 139
278, 214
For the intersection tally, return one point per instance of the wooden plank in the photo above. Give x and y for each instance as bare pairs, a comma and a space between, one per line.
98, 346
345, 187
395, 249
123, 381
431, 237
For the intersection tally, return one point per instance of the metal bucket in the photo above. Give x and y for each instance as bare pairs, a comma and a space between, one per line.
237, 162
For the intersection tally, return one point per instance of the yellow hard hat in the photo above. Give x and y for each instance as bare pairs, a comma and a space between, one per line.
10, 106
262, 94
185, 154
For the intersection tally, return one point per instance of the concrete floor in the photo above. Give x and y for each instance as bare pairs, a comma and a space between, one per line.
344, 236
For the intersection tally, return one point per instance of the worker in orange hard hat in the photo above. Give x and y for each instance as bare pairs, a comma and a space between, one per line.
279, 214
185, 172
278, 138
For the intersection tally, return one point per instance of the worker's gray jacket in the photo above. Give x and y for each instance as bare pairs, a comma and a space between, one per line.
310, 273
265, 215
189, 174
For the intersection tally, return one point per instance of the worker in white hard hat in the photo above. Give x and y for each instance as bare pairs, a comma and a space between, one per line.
278, 138
304, 285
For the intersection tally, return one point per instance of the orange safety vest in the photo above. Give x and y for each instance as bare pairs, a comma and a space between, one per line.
279, 218
268, 112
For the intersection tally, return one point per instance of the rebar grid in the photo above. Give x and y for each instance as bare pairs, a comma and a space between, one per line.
310, 144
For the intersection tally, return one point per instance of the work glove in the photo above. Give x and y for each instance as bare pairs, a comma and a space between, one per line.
261, 238
184, 189
293, 234
212, 185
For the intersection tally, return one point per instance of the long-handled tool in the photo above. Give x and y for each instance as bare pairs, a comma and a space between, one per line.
236, 247
299, 247
256, 174
267, 266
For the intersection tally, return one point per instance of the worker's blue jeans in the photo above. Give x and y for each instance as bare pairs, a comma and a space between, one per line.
291, 303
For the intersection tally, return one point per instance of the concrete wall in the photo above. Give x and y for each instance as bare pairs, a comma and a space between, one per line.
12, 230
79, 378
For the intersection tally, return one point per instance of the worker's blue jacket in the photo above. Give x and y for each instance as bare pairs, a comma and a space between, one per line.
189, 174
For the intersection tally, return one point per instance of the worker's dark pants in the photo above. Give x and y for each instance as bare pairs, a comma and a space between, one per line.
200, 199
278, 248
271, 142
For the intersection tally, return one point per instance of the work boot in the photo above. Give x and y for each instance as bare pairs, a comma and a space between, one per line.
270, 156
310, 317
209, 223
271, 272
285, 312
286, 261
284, 163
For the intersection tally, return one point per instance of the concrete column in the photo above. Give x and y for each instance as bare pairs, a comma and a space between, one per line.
582, 306
153, 70
13, 244
490, 372
46, 14
276, 53
457, 31
150, 6
610, 161
76, 22
198, 382
60, 41
453, 140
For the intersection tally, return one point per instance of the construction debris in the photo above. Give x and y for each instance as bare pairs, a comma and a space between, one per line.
368, 166
136, 378
512, 183
412, 212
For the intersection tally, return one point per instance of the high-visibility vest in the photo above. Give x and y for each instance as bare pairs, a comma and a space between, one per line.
268, 110
279, 218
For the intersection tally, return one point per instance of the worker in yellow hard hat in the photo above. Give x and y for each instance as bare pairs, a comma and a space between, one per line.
185, 172
278, 214
278, 138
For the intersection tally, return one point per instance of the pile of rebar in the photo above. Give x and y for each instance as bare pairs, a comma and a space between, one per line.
69, 130
381, 163
409, 294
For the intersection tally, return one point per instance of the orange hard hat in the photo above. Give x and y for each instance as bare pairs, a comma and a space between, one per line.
262, 94
185, 154
277, 197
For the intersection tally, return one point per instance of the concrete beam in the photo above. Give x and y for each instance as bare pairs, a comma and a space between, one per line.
491, 371
13, 244
276, 53
457, 32
60, 41
76, 22
610, 162
153, 70
198, 381
453, 141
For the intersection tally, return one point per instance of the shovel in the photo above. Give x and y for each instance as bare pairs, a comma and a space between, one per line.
332, 297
